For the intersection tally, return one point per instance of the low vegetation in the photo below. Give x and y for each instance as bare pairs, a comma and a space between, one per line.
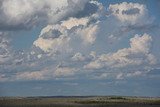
112, 101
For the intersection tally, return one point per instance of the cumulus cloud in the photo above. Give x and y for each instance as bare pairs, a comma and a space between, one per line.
88, 34
137, 54
53, 39
73, 33
86, 30
127, 18
73, 22
131, 13
57, 38
68, 22
24, 14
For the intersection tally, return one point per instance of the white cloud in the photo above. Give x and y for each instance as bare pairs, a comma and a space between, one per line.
22, 14
53, 39
137, 54
131, 13
57, 38
141, 44
88, 34
69, 28
72, 22
52, 45
84, 29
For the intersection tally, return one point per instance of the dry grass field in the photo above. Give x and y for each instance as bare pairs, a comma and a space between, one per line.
95, 101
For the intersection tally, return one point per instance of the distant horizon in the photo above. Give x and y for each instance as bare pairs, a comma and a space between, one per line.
61, 96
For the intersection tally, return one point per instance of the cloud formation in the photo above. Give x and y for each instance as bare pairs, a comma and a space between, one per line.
131, 13
57, 38
76, 34
137, 54
24, 14
53, 39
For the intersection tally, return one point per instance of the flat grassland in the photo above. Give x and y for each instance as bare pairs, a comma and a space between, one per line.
90, 101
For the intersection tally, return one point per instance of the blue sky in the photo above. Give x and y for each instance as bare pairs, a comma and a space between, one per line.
79, 47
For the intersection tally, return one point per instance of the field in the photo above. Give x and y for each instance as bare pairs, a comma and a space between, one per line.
90, 101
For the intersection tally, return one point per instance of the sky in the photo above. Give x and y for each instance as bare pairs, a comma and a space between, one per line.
79, 47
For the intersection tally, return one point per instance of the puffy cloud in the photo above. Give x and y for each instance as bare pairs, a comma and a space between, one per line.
73, 22
84, 28
88, 34
86, 31
141, 44
138, 54
131, 13
24, 14
58, 37
54, 45
53, 39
